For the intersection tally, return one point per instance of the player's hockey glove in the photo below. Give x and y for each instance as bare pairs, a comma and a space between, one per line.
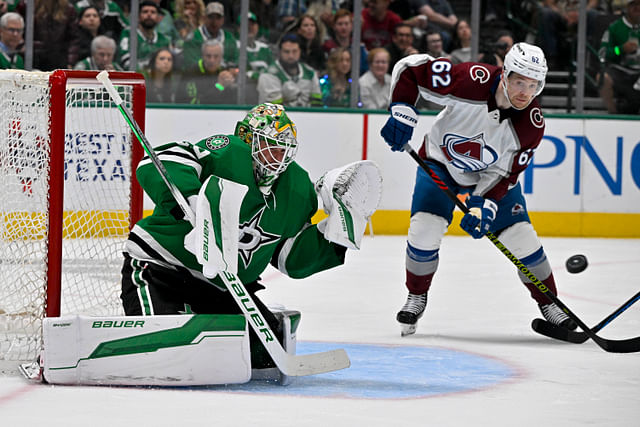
399, 127
481, 214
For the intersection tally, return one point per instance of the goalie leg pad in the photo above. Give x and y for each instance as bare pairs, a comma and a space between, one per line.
170, 350
289, 321
350, 195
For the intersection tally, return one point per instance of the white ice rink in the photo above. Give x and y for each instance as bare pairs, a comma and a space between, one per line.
474, 360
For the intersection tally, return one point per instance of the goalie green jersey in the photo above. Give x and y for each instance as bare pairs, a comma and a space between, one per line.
273, 229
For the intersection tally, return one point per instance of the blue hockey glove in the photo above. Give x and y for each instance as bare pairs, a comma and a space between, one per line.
399, 127
481, 214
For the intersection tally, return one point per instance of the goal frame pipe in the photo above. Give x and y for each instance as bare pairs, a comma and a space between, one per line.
57, 107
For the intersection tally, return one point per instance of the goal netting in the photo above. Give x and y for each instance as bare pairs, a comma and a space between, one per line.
68, 198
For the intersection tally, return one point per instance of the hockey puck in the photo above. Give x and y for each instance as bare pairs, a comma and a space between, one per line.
576, 264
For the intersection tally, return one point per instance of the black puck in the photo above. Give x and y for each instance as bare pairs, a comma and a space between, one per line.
576, 264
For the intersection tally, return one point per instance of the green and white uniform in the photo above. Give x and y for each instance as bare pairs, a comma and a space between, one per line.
277, 86
618, 33
146, 48
274, 228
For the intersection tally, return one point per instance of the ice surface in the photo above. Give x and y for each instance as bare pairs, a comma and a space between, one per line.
474, 360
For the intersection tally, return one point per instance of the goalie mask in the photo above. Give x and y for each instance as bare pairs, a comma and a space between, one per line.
527, 60
272, 136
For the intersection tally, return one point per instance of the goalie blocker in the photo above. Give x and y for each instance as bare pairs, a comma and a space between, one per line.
168, 350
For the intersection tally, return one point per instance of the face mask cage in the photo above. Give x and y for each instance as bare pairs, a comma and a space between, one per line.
271, 157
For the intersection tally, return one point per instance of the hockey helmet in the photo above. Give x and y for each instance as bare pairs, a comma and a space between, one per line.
272, 136
527, 60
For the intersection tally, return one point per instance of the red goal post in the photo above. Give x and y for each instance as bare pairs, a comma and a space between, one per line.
68, 197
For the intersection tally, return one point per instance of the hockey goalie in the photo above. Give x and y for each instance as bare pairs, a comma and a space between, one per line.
252, 205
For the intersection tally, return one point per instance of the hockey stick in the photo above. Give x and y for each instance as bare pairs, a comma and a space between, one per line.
631, 345
552, 331
289, 364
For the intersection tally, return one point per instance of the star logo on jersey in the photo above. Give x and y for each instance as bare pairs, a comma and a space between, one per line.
471, 154
217, 142
253, 237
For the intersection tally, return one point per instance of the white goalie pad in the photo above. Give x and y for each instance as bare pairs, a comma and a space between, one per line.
350, 195
289, 321
172, 350
214, 238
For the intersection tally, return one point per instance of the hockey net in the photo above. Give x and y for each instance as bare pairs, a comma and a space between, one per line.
68, 197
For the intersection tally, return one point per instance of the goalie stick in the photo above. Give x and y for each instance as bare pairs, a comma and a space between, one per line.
631, 345
289, 364
550, 330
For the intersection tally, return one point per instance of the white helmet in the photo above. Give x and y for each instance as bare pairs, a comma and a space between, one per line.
527, 60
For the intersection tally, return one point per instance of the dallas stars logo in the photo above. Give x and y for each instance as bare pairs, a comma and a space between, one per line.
253, 237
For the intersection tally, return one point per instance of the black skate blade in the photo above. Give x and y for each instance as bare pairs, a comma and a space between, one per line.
558, 332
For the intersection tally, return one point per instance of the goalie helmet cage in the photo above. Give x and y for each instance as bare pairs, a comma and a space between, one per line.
68, 198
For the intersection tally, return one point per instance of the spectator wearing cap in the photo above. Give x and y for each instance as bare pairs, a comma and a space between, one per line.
11, 29
211, 30
288, 81
149, 39
103, 50
259, 58
112, 19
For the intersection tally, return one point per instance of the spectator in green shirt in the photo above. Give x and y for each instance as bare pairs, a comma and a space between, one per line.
621, 51
149, 39
211, 30
11, 29
103, 50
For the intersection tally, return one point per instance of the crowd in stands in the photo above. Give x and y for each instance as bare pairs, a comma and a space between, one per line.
299, 51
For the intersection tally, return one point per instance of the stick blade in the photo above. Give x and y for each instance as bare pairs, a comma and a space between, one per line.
630, 345
315, 363
556, 332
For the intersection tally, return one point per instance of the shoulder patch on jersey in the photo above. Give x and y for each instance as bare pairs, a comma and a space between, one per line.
536, 117
479, 73
217, 142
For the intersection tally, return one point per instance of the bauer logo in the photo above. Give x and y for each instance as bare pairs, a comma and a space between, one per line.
118, 324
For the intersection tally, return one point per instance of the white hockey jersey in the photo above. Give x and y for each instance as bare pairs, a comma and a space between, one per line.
482, 146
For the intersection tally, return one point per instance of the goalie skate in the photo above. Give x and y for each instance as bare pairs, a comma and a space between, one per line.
411, 311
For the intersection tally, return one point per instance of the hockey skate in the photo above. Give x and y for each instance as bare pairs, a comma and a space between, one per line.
553, 314
411, 311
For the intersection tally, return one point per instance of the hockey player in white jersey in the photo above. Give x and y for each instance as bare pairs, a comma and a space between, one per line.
479, 144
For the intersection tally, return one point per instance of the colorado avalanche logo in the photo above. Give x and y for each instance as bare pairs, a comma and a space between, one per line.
469, 154
480, 73
536, 117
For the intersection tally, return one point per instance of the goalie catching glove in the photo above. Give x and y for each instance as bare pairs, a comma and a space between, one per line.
350, 195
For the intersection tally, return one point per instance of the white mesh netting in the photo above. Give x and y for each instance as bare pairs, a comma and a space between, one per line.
97, 172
